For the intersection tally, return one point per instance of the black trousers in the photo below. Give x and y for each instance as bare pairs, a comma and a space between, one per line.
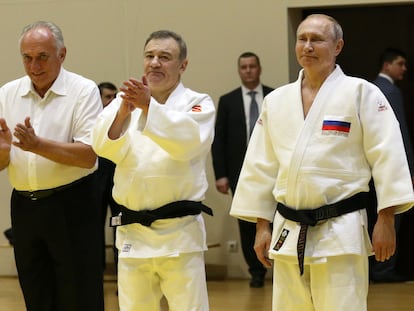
377, 268
58, 249
105, 175
247, 238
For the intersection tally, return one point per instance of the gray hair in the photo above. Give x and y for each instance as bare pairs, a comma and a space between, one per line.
337, 31
165, 34
53, 28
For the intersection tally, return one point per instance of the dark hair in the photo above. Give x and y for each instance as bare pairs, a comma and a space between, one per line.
106, 85
165, 34
248, 54
389, 55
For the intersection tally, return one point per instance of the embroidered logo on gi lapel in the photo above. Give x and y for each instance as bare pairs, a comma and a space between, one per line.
196, 108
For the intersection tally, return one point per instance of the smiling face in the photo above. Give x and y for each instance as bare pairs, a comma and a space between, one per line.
316, 45
162, 65
41, 58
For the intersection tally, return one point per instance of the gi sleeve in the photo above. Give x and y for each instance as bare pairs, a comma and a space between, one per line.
183, 133
385, 151
253, 197
114, 150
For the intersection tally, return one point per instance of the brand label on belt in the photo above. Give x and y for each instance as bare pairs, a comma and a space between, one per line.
282, 237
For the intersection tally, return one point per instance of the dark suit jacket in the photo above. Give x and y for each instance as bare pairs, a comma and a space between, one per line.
230, 141
396, 100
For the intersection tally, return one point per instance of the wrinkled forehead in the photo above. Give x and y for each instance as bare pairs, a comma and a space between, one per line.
162, 45
316, 25
38, 41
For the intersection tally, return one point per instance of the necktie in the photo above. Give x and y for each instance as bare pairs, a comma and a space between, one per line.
254, 110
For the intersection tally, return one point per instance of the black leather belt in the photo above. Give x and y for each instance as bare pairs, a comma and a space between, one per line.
45, 193
170, 210
310, 217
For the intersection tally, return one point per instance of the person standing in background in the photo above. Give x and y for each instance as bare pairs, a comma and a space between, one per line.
234, 123
108, 92
105, 173
392, 69
159, 134
45, 128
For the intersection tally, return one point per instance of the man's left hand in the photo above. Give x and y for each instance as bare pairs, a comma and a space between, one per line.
27, 139
383, 236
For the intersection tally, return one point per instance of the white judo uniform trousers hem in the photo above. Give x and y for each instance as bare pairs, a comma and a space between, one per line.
340, 283
182, 279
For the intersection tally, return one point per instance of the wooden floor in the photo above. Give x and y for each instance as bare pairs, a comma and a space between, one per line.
232, 295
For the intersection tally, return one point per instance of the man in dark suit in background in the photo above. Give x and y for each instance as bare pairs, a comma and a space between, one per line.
232, 133
392, 69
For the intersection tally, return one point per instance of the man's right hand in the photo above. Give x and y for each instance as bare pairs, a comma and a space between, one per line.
222, 185
262, 241
136, 94
5, 143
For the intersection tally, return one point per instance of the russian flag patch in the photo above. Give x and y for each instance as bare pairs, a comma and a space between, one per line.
335, 127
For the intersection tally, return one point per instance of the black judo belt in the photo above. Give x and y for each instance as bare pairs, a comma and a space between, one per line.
170, 210
310, 217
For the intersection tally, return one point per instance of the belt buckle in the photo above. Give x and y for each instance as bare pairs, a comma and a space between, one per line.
116, 220
32, 196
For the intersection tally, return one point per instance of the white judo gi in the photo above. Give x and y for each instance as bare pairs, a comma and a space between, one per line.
161, 159
349, 133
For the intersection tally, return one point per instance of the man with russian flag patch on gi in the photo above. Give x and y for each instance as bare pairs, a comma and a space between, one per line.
159, 133
317, 144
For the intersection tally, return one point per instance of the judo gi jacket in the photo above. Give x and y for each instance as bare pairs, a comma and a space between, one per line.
160, 159
349, 135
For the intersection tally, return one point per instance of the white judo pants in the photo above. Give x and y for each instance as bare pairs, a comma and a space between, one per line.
340, 284
181, 279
